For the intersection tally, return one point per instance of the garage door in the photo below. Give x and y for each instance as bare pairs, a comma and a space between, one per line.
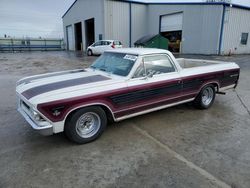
69, 37
172, 22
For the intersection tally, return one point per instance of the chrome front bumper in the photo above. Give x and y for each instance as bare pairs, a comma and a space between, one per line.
44, 130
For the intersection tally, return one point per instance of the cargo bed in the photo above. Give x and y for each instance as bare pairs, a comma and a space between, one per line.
191, 63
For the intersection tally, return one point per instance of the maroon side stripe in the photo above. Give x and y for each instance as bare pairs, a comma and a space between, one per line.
63, 84
135, 106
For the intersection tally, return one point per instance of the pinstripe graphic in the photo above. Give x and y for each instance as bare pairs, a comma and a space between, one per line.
63, 84
141, 95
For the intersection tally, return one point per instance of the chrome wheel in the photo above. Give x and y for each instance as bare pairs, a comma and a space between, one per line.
207, 96
88, 124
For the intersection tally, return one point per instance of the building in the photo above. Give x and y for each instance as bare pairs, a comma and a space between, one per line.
199, 28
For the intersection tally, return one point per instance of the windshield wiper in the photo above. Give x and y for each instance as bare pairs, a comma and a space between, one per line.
103, 69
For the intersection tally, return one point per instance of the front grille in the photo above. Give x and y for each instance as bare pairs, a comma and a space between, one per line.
26, 106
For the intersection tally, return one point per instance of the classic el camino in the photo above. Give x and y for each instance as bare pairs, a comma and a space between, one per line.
120, 84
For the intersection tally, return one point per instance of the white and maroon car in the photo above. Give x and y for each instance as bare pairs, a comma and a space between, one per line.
120, 84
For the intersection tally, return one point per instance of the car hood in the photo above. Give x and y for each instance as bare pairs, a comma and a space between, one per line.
62, 85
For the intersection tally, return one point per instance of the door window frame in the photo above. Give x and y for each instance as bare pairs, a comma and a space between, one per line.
141, 63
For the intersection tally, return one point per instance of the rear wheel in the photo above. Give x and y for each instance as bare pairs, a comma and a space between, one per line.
86, 125
206, 97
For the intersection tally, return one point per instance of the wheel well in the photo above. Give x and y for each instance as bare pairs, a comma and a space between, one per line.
216, 86
106, 110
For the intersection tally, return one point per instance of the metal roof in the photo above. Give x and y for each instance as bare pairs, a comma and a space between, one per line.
175, 3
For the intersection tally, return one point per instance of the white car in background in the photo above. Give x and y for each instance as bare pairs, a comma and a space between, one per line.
99, 47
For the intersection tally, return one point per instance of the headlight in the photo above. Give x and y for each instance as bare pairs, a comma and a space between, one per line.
36, 116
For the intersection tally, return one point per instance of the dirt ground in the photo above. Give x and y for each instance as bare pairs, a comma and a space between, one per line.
179, 147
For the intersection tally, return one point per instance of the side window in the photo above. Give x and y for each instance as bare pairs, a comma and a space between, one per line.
97, 43
244, 37
116, 42
105, 43
158, 64
154, 65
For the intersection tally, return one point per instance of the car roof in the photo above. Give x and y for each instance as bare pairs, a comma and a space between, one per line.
108, 40
139, 51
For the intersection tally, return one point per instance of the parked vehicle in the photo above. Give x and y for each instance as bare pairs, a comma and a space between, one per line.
120, 84
103, 45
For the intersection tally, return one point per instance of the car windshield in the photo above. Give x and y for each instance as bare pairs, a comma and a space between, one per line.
115, 63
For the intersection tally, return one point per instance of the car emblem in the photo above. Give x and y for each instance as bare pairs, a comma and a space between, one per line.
56, 113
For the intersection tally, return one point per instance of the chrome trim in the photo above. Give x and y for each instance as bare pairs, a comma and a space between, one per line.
45, 130
207, 96
207, 83
22, 98
88, 124
234, 75
227, 87
87, 105
152, 109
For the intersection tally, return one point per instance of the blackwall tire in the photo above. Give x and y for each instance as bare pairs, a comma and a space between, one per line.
86, 125
206, 97
89, 53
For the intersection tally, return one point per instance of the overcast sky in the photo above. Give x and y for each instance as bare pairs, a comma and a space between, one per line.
33, 18
42, 18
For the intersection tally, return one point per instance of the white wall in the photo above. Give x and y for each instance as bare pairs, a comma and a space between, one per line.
83, 10
139, 18
237, 21
116, 19
201, 26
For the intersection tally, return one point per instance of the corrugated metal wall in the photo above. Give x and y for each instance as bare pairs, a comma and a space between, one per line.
237, 21
211, 27
81, 11
116, 19
138, 22
201, 25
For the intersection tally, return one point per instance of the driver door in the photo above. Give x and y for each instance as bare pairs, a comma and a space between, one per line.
156, 83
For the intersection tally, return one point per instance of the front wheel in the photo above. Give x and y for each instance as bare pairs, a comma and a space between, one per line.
206, 97
86, 125
89, 52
